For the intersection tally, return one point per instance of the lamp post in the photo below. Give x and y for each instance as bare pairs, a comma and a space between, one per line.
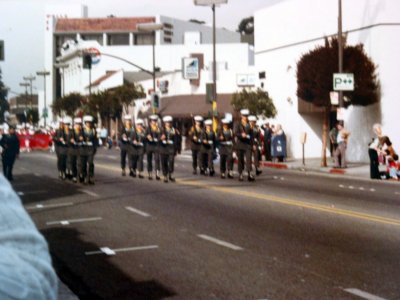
152, 27
44, 73
340, 46
30, 79
25, 84
62, 67
213, 4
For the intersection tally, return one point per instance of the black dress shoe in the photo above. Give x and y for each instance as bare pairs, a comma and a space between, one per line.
250, 178
123, 173
158, 177
194, 172
172, 179
141, 176
230, 176
258, 172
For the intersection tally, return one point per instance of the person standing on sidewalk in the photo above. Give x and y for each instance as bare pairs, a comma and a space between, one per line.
340, 153
267, 141
256, 136
10, 145
376, 149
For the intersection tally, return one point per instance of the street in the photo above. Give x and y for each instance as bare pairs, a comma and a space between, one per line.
289, 235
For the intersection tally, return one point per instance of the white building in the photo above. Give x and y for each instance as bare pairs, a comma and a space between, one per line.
286, 29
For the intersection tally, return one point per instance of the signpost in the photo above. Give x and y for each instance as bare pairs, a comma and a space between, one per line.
190, 68
343, 82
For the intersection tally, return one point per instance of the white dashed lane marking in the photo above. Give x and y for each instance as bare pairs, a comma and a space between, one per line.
109, 251
68, 222
363, 294
136, 211
42, 206
93, 194
351, 187
220, 242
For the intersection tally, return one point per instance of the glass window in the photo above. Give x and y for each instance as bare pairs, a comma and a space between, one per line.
144, 39
93, 37
115, 39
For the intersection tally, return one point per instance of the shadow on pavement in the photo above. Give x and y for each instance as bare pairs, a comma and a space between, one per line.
95, 277
38, 189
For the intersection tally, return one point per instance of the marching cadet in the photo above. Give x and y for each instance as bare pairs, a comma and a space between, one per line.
63, 147
195, 144
75, 139
169, 146
124, 143
152, 147
225, 138
10, 145
208, 147
88, 150
138, 138
256, 147
57, 144
243, 136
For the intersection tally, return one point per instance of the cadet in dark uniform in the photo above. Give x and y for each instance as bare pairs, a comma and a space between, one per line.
208, 147
152, 147
138, 138
256, 148
243, 136
124, 143
75, 140
88, 151
225, 138
169, 146
57, 144
10, 145
63, 147
195, 144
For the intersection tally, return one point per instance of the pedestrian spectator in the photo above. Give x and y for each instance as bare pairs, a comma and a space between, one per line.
333, 138
379, 147
393, 167
340, 152
267, 141
103, 135
25, 264
278, 144
10, 145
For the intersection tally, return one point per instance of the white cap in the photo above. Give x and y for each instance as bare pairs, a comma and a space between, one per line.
78, 120
67, 120
167, 119
252, 118
198, 118
225, 121
245, 112
208, 122
153, 118
87, 119
139, 122
260, 123
127, 117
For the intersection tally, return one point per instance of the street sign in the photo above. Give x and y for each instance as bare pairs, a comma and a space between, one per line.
334, 98
343, 82
190, 68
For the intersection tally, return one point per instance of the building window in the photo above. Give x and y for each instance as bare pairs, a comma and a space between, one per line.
93, 37
167, 39
118, 39
168, 26
1, 50
144, 39
168, 32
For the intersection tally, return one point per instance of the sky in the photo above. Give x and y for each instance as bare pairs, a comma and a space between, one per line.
228, 15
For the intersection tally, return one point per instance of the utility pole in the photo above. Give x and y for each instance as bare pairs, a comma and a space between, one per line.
30, 79
340, 46
44, 73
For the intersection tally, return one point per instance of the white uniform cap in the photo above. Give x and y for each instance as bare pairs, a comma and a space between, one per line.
87, 119
252, 119
260, 123
67, 120
78, 120
245, 112
208, 122
153, 118
167, 119
127, 117
198, 118
139, 122
225, 121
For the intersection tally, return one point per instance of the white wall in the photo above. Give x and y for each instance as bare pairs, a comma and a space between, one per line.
281, 32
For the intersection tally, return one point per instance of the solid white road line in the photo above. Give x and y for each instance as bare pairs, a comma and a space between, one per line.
41, 206
136, 211
67, 222
93, 194
363, 294
219, 242
108, 251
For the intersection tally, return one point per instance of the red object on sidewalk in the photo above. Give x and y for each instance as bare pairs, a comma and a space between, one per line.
39, 141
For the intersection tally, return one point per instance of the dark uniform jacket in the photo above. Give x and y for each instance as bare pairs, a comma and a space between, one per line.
243, 143
10, 145
169, 141
195, 137
152, 138
125, 135
208, 141
225, 138
90, 141
138, 140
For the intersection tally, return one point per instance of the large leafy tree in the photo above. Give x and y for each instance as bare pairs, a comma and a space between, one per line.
315, 80
246, 26
258, 102
4, 106
68, 104
127, 94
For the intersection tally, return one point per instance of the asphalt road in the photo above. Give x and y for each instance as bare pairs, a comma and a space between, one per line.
289, 235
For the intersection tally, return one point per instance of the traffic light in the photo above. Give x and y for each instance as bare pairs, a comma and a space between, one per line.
209, 93
87, 61
156, 101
